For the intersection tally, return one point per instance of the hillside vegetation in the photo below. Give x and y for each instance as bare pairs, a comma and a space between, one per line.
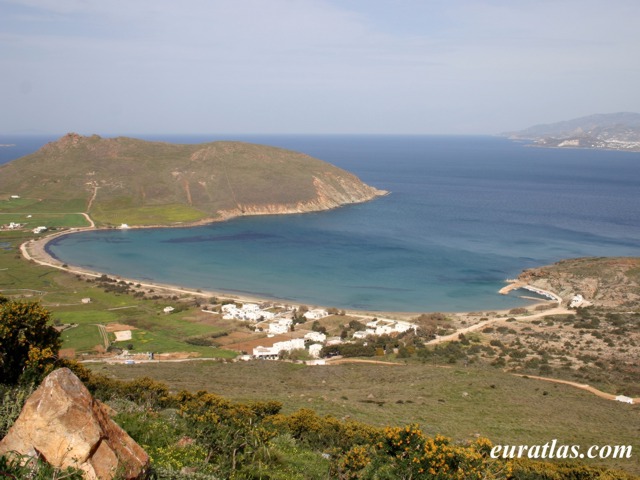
604, 281
125, 180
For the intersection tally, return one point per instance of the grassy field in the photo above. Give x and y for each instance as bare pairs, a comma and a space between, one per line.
62, 294
453, 400
458, 402
83, 338
34, 205
149, 215
49, 220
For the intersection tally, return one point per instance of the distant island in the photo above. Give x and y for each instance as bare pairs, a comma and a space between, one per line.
614, 131
126, 181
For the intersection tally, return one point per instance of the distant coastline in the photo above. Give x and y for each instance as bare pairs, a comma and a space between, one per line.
466, 214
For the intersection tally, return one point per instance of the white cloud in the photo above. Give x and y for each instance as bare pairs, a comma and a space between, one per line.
418, 66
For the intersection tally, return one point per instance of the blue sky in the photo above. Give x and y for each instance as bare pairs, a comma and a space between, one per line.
313, 66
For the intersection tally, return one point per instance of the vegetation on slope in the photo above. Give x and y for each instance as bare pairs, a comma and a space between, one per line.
604, 281
205, 436
125, 180
476, 398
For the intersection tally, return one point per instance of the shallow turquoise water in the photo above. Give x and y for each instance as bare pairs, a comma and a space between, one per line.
464, 214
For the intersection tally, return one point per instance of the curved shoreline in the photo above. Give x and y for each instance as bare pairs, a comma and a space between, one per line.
37, 250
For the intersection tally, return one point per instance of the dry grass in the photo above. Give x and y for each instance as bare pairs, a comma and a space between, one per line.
458, 402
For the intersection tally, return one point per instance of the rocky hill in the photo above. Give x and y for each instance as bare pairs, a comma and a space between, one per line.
125, 180
615, 131
607, 282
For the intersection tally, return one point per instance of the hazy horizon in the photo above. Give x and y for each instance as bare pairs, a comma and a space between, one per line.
313, 66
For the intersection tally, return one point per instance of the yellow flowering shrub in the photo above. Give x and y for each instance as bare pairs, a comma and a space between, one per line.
28, 341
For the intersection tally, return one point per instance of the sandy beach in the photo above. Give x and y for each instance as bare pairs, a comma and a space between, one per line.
35, 250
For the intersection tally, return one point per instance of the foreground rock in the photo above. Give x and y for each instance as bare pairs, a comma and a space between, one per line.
67, 427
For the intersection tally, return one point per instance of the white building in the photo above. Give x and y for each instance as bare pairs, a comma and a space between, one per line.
248, 312
576, 301
382, 327
361, 334
314, 350
38, 230
277, 347
168, 309
282, 325
624, 399
315, 314
316, 337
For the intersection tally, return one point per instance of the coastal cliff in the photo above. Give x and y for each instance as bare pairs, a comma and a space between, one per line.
603, 281
137, 182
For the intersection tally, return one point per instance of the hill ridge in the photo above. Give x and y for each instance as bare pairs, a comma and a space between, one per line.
612, 131
127, 180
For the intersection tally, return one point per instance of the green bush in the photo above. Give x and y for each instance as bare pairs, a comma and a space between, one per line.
13, 399
22, 466
29, 343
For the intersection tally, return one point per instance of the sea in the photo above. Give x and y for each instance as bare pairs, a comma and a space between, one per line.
464, 214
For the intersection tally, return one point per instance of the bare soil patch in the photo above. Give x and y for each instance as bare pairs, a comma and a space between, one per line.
118, 327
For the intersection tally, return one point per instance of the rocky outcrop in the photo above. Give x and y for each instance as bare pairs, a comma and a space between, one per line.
607, 282
63, 424
327, 197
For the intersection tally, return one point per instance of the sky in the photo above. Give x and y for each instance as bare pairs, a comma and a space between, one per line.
313, 66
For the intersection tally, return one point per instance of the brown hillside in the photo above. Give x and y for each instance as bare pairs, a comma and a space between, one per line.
604, 281
120, 179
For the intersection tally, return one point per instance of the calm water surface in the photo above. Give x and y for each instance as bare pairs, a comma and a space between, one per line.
464, 214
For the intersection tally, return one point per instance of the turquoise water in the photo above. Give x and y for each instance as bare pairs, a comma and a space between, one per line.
464, 214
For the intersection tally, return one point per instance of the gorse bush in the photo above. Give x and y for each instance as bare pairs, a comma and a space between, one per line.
29, 343
204, 436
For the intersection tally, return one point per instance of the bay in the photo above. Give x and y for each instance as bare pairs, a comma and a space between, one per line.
464, 214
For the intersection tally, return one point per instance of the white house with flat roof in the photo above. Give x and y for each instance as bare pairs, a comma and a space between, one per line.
249, 312
315, 337
314, 350
315, 314
280, 326
273, 351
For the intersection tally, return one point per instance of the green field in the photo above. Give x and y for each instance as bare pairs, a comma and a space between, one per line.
453, 400
62, 294
148, 215
34, 205
49, 220
458, 402
83, 338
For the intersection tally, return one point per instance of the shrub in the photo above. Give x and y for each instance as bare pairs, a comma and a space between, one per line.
33, 468
518, 311
13, 399
29, 343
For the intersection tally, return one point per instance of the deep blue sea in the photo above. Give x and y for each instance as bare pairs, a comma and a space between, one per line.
464, 214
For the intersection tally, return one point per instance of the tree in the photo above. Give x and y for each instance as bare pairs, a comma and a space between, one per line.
28, 341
